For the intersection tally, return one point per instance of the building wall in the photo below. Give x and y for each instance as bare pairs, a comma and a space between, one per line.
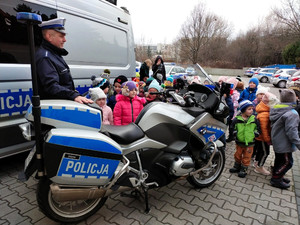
224, 72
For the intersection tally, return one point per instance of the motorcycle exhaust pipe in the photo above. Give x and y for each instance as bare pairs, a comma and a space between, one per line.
72, 194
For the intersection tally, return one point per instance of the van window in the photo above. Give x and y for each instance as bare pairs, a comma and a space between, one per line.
102, 45
13, 38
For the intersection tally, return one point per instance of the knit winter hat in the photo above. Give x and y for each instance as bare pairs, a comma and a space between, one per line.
272, 99
128, 86
149, 80
287, 95
223, 78
238, 77
99, 82
103, 84
262, 90
96, 93
195, 81
254, 80
233, 81
170, 79
244, 105
154, 84
120, 79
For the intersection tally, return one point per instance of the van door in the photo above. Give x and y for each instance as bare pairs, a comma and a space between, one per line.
15, 75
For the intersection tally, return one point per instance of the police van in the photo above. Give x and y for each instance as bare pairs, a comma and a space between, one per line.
99, 36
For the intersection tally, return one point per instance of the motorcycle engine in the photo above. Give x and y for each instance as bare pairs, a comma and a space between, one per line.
182, 165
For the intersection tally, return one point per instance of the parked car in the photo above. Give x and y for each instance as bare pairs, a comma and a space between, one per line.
294, 80
190, 70
280, 78
176, 72
264, 74
249, 72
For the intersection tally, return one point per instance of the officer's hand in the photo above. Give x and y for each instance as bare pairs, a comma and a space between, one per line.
83, 100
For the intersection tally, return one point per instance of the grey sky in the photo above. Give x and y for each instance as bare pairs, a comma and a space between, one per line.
159, 21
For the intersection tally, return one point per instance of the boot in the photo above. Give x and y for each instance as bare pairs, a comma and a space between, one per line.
236, 168
262, 170
243, 171
286, 180
279, 183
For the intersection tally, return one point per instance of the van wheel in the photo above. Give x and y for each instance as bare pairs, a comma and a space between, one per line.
281, 84
264, 79
65, 212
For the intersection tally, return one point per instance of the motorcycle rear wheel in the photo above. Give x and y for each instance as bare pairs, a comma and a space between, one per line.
210, 175
65, 212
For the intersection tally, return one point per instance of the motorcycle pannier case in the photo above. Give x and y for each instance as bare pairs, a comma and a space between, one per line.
74, 151
80, 157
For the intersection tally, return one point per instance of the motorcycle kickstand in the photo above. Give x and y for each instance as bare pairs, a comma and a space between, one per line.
147, 210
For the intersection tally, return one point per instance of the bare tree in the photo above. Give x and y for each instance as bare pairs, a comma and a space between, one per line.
198, 31
142, 51
289, 15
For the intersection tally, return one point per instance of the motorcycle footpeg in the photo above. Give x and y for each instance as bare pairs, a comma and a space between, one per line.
151, 184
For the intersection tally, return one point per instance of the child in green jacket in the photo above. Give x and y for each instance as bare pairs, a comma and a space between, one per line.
246, 127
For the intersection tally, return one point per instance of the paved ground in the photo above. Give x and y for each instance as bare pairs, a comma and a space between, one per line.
230, 200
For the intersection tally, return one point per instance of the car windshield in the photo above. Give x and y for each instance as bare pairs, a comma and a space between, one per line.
201, 73
168, 68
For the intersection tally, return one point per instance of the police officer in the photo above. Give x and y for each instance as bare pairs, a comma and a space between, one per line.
54, 77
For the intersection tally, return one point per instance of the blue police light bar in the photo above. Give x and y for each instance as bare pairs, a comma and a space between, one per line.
29, 17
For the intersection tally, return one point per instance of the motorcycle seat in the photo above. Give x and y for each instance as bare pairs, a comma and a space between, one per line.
125, 134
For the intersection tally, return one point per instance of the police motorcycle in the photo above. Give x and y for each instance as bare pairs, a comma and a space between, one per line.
79, 162
84, 162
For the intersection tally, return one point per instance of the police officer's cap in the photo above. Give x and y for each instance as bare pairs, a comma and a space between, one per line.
57, 24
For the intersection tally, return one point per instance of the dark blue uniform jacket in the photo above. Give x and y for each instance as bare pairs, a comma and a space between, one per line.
54, 77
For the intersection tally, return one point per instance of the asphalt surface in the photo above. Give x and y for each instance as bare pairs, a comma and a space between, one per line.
230, 200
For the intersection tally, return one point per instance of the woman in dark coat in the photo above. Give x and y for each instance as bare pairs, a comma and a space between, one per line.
159, 68
144, 70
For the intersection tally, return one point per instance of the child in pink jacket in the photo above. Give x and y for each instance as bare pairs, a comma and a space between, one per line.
99, 97
128, 105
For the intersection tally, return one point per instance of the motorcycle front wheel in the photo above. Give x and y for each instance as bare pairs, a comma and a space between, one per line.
65, 212
209, 175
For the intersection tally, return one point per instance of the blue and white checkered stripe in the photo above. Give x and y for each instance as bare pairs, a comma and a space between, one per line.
16, 101
74, 115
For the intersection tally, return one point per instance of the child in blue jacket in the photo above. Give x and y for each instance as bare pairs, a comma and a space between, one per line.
250, 92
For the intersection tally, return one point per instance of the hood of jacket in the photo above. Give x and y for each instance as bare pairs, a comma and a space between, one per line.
262, 107
279, 110
157, 58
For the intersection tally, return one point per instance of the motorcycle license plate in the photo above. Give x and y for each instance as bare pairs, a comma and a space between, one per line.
81, 166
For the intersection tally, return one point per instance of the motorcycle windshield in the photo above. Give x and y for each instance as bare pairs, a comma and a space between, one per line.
196, 74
